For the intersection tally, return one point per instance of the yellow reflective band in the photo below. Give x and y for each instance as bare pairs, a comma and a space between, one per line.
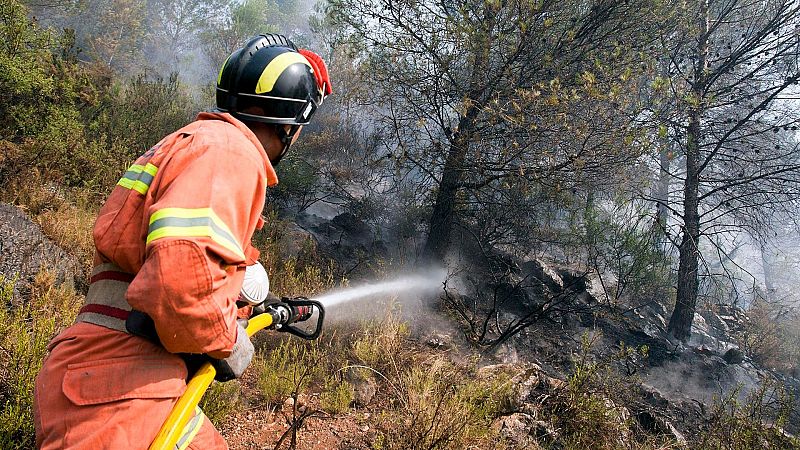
197, 222
151, 169
189, 213
138, 177
197, 231
190, 430
219, 77
276, 67
137, 185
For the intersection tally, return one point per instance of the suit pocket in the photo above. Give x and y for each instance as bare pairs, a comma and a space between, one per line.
109, 380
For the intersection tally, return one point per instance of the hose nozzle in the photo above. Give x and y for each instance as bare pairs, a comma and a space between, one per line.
293, 310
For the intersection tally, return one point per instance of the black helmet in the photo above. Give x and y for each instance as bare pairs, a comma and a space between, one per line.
268, 73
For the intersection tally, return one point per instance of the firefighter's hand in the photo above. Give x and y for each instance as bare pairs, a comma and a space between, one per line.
261, 308
234, 365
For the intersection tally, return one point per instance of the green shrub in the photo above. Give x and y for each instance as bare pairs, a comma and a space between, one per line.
337, 396
40, 121
290, 367
380, 342
220, 400
435, 406
755, 423
629, 250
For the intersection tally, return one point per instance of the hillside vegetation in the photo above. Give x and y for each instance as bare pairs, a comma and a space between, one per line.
546, 152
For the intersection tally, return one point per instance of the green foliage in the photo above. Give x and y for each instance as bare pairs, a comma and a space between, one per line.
755, 423
74, 120
588, 410
438, 407
126, 120
337, 396
629, 250
220, 400
771, 337
290, 367
39, 118
379, 342
25, 330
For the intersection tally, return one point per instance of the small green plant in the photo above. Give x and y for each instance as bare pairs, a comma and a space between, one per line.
587, 409
291, 366
220, 400
337, 396
380, 341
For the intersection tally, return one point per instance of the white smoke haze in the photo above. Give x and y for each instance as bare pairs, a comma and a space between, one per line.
159, 38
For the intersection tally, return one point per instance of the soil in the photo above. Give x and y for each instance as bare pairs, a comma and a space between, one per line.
259, 426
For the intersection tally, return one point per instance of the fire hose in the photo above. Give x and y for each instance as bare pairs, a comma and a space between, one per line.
281, 316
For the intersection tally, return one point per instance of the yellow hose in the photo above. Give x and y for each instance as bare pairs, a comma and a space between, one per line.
184, 409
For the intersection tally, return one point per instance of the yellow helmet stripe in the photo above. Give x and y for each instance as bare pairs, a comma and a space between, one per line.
276, 67
221, 69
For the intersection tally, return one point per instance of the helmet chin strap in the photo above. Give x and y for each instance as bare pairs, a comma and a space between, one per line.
286, 139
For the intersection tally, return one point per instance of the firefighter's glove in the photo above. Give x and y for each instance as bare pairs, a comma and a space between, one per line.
234, 365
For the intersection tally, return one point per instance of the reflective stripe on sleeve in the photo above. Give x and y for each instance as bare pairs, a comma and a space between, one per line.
182, 222
138, 178
190, 430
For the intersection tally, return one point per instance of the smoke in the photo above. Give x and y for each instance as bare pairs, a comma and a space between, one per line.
701, 380
165, 37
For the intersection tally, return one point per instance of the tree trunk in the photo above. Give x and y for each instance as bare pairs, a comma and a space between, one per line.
680, 324
768, 265
443, 215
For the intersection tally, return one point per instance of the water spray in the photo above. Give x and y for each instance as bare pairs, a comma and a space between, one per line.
418, 283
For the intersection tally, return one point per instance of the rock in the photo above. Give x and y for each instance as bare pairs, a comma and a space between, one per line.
439, 341
516, 428
346, 240
544, 429
525, 378
657, 424
703, 350
364, 386
717, 322
364, 392
351, 225
733, 356
523, 430
552, 383
594, 290
25, 250
295, 240
537, 270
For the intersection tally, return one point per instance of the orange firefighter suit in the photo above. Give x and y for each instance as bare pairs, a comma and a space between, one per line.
172, 240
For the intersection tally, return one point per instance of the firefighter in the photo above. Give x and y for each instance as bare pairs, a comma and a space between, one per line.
172, 251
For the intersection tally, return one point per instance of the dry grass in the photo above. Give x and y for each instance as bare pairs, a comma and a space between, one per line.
26, 327
67, 219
